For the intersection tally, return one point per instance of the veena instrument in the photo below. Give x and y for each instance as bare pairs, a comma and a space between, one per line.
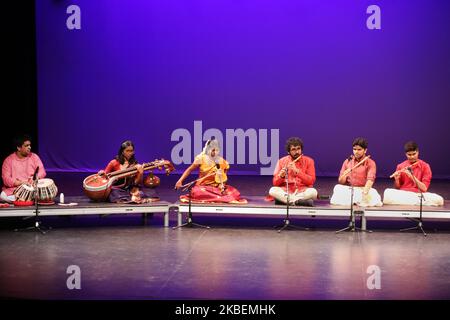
98, 187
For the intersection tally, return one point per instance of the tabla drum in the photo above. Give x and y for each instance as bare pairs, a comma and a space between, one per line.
24, 192
47, 189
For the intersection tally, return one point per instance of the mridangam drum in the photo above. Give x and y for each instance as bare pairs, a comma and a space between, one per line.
47, 189
24, 192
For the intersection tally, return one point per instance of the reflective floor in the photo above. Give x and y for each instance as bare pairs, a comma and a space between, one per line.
135, 262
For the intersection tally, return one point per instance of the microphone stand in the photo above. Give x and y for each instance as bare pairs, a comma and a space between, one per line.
286, 223
419, 221
189, 223
37, 223
351, 225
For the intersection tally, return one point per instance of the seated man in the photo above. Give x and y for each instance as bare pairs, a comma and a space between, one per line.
211, 186
412, 177
358, 171
301, 175
19, 167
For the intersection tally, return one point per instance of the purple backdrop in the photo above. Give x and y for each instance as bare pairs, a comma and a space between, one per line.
142, 69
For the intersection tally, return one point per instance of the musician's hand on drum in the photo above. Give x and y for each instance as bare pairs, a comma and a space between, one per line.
101, 172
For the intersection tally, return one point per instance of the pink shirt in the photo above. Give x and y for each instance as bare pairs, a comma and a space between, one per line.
16, 168
359, 176
300, 181
422, 171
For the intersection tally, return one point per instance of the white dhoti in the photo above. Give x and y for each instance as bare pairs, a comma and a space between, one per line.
281, 195
342, 195
395, 196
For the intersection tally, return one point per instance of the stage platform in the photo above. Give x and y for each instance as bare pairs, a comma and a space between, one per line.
256, 206
259, 207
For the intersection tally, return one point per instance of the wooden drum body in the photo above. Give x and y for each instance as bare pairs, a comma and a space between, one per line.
24, 192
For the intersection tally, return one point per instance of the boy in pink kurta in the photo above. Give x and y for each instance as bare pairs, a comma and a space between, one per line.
357, 172
412, 180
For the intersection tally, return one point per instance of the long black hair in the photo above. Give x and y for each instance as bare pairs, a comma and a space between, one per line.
120, 156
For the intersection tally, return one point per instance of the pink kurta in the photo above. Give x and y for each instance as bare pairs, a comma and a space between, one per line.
16, 168
305, 177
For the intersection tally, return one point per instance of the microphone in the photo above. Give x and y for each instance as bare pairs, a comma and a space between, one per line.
35, 173
410, 170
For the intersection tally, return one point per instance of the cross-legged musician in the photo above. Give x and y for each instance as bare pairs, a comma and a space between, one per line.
129, 189
20, 167
300, 173
359, 172
412, 177
212, 185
